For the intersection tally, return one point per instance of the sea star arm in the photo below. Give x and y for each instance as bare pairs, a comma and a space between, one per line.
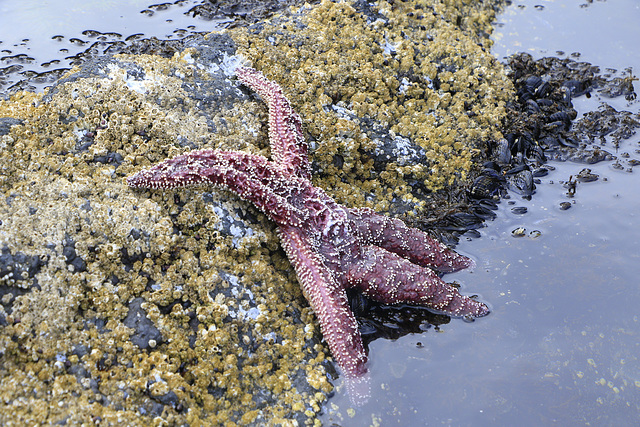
288, 146
328, 299
415, 245
250, 176
391, 279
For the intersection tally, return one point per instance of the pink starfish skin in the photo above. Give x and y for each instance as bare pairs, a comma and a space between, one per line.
331, 247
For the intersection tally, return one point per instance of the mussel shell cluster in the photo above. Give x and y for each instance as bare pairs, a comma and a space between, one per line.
542, 124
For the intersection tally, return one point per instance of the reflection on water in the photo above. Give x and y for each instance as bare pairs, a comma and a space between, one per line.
602, 32
562, 344
39, 36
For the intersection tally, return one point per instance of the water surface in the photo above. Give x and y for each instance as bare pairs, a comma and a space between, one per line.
37, 36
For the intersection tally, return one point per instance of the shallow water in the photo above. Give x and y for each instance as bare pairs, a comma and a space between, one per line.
562, 344
38, 36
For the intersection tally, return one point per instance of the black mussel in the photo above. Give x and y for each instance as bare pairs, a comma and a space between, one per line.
503, 153
521, 144
491, 165
524, 94
576, 87
550, 141
532, 106
557, 125
521, 181
539, 172
519, 232
461, 222
537, 153
544, 102
568, 142
484, 211
532, 83
543, 90
490, 204
516, 169
358, 303
564, 115
475, 234
487, 185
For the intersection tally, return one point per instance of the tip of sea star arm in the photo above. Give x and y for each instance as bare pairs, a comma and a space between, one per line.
244, 71
467, 308
258, 82
193, 168
328, 300
451, 261
391, 279
358, 389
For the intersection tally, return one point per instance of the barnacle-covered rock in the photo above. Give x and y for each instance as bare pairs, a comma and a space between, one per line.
170, 307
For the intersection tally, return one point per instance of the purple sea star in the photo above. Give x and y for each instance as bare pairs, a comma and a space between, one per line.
331, 247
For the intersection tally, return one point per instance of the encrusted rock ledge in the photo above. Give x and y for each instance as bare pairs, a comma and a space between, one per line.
169, 308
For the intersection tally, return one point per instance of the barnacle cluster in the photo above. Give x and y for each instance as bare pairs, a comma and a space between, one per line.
179, 307
369, 80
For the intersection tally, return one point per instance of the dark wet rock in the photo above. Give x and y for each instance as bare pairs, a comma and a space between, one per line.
236, 13
6, 123
231, 222
98, 324
399, 150
72, 257
17, 277
109, 158
8, 296
245, 11
83, 377
585, 175
565, 205
17, 266
80, 350
170, 398
145, 334
129, 259
97, 68
152, 408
